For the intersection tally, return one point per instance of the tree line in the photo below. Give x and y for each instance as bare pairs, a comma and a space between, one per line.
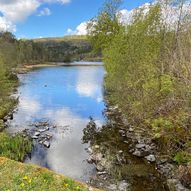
16, 53
148, 63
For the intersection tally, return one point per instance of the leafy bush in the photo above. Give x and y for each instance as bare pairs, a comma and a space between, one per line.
182, 157
148, 75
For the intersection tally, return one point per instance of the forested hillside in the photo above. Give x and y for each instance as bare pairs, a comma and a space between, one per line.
65, 49
148, 67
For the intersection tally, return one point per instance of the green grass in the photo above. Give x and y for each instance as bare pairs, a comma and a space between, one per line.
16, 176
6, 104
7, 86
14, 147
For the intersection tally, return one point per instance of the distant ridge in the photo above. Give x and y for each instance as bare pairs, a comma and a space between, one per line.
64, 38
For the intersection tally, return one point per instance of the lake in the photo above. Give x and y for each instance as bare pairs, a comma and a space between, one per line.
65, 97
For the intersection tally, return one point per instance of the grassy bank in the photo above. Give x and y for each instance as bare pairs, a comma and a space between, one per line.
8, 83
15, 147
18, 176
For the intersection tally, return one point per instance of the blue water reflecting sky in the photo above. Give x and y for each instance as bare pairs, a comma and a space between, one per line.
65, 96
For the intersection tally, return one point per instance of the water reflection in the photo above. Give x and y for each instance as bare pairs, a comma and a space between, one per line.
89, 85
65, 96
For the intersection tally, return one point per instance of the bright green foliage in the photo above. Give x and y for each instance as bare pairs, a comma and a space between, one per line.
103, 28
182, 157
148, 73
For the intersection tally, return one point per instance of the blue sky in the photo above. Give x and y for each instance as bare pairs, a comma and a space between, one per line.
44, 18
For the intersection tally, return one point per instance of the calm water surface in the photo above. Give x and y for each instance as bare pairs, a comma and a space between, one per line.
66, 97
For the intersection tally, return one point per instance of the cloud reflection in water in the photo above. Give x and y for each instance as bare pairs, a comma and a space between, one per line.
71, 96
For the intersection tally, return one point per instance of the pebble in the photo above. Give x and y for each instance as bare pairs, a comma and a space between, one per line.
140, 146
89, 150
100, 168
102, 173
137, 153
151, 158
131, 129
34, 137
37, 134
123, 185
46, 144
112, 187
96, 146
89, 160
43, 130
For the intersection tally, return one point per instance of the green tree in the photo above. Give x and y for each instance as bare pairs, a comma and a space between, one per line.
105, 26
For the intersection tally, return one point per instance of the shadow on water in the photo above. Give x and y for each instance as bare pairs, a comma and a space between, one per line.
66, 97
115, 165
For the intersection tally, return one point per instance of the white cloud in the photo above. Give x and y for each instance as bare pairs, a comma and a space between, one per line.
31, 106
56, 1
6, 25
125, 16
88, 83
44, 12
170, 15
81, 29
15, 11
18, 10
70, 31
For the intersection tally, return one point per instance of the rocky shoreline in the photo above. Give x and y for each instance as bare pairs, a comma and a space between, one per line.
135, 142
138, 144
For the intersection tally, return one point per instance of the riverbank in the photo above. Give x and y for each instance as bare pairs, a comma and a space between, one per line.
143, 146
55, 64
15, 165
19, 176
7, 103
26, 68
147, 80
124, 160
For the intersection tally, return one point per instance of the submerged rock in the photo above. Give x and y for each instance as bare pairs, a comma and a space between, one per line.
89, 150
41, 130
34, 137
46, 144
41, 124
36, 134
